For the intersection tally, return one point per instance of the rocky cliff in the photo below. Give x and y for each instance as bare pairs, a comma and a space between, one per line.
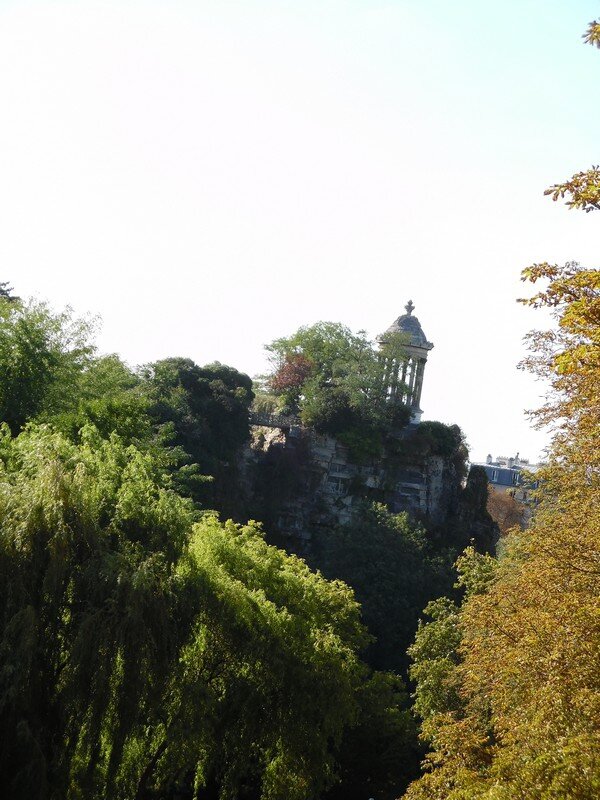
301, 482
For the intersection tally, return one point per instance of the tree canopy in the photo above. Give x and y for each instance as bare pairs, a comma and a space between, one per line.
143, 646
42, 356
206, 409
333, 378
387, 559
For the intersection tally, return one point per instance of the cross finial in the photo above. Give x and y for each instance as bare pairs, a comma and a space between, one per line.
409, 307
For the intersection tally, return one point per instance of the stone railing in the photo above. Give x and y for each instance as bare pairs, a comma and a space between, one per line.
273, 420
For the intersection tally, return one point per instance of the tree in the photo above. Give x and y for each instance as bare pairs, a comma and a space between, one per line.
527, 723
505, 510
327, 354
290, 376
42, 355
569, 356
380, 754
458, 740
143, 647
333, 379
434, 654
207, 409
387, 560
6, 291
109, 396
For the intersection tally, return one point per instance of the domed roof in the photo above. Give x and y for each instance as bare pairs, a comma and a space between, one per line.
410, 325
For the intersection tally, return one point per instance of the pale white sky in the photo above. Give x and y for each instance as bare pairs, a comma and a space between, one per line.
208, 176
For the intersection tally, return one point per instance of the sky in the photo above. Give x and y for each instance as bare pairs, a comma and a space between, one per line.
208, 176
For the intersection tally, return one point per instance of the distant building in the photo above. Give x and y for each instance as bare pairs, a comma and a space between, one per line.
512, 474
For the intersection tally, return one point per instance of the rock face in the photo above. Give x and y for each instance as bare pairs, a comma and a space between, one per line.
302, 482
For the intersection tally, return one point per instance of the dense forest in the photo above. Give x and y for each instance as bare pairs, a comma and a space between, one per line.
156, 642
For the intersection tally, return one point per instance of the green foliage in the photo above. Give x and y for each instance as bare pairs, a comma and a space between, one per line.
395, 570
332, 349
432, 438
114, 400
387, 560
289, 639
207, 409
265, 403
436, 651
138, 648
330, 410
378, 756
441, 439
42, 355
208, 406
434, 654
110, 397
476, 571
88, 534
476, 490
332, 378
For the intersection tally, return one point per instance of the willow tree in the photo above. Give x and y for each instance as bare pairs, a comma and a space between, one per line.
521, 655
144, 647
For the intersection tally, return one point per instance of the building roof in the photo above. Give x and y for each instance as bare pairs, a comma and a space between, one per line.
504, 475
410, 325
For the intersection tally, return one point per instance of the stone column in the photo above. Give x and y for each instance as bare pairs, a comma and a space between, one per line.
419, 382
411, 384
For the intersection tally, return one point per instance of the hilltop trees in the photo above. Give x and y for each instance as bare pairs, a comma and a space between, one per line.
327, 374
333, 378
207, 406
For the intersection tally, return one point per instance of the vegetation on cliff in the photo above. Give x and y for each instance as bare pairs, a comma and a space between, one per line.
333, 379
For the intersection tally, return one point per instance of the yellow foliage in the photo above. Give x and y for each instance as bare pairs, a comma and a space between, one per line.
529, 674
528, 726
